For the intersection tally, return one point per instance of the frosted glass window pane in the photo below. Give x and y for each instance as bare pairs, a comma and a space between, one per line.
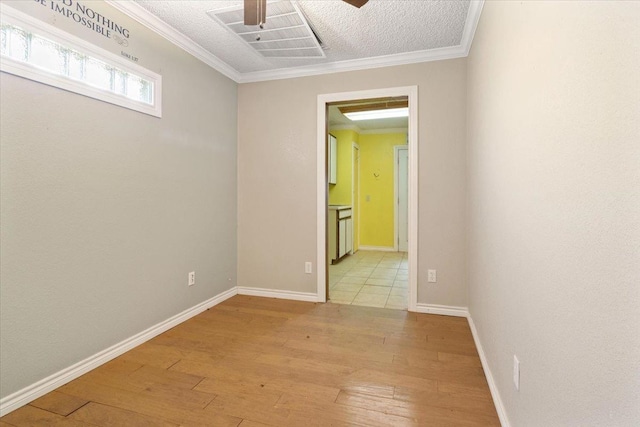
146, 93
17, 41
134, 87
98, 74
3, 39
76, 66
47, 55
120, 84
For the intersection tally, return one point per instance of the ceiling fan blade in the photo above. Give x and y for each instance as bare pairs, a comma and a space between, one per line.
255, 12
356, 3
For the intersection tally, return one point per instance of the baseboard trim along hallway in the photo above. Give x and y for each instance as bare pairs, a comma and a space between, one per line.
277, 293
497, 401
445, 310
50, 383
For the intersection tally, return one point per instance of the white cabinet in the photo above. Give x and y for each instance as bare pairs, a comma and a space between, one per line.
340, 232
333, 160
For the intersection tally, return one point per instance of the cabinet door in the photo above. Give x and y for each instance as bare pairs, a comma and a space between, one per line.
349, 236
332, 234
342, 235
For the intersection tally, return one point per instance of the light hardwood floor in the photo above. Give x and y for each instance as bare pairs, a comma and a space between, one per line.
254, 361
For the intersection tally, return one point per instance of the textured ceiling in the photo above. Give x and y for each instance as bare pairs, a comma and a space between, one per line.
379, 28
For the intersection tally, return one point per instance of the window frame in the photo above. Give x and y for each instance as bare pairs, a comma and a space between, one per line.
30, 24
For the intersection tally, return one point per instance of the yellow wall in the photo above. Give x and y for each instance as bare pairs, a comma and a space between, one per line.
376, 184
341, 192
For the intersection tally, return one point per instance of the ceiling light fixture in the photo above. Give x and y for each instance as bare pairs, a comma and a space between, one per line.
378, 114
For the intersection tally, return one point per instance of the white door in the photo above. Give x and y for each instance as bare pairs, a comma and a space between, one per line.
403, 199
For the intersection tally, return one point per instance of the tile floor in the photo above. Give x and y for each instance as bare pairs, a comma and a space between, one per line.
371, 278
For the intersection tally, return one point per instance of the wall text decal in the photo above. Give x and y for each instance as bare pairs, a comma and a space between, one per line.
89, 18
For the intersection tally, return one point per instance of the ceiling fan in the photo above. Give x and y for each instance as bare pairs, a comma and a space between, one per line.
255, 11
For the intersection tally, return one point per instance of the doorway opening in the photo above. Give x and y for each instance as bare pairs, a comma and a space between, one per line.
367, 188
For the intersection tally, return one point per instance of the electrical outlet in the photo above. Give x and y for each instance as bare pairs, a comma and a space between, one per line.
432, 276
516, 372
308, 267
192, 278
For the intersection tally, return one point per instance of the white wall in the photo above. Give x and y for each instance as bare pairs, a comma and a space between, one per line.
104, 210
554, 208
277, 176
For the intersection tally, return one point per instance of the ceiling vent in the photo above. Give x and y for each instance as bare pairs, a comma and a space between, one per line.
286, 34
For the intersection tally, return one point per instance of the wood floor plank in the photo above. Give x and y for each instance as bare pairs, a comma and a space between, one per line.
351, 415
460, 359
188, 399
244, 406
460, 402
102, 415
425, 414
149, 375
59, 403
465, 391
249, 423
259, 362
31, 416
270, 386
338, 351
146, 405
380, 390
152, 354
382, 378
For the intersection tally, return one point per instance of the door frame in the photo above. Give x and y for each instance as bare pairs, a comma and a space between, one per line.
396, 188
322, 187
355, 198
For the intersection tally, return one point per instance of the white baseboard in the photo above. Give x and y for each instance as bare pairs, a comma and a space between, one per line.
276, 293
377, 248
497, 401
446, 310
44, 386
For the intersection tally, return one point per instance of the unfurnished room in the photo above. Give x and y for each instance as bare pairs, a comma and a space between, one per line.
276, 213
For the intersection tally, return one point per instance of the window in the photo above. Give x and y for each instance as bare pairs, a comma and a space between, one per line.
32, 49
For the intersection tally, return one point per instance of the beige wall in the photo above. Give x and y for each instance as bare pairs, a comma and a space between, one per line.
104, 210
554, 208
277, 176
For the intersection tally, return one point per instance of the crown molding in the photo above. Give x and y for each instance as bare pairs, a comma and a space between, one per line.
146, 18
355, 64
471, 24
